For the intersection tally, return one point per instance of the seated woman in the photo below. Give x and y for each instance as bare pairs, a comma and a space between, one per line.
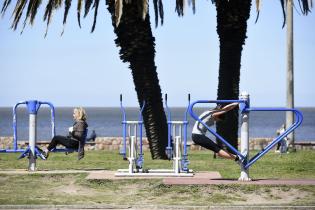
77, 135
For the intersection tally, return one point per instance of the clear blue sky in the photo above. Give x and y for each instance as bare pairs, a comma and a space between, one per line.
84, 69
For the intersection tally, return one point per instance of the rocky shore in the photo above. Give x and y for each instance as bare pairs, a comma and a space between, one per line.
115, 143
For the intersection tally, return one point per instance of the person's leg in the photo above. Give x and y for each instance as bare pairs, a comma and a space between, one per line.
62, 140
207, 143
227, 155
55, 141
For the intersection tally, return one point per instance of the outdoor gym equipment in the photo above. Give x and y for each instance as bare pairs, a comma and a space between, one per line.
32, 151
245, 110
136, 160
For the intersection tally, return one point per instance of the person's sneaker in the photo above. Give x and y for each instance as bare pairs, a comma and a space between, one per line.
45, 153
239, 161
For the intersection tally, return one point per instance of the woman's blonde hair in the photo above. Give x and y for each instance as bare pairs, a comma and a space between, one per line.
81, 112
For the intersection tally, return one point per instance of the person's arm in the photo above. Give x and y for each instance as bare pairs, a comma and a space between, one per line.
225, 109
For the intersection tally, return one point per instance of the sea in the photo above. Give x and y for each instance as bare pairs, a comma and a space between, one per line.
107, 122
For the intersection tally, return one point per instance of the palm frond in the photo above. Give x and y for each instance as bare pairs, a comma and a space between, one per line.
158, 11
5, 6
17, 13
35, 7
118, 11
144, 8
57, 4
258, 6
193, 3
283, 6
48, 12
28, 12
95, 6
180, 7
88, 4
161, 11
79, 7
306, 5
65, 14
67, 7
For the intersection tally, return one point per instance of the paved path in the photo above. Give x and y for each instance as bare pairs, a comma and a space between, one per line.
208, 181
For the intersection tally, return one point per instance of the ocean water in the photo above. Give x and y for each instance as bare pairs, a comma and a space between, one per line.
107, 122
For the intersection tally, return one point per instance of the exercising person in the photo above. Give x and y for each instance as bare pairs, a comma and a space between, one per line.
76, 137
209, 118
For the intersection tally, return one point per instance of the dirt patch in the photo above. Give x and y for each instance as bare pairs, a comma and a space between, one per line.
73, 189
272, 196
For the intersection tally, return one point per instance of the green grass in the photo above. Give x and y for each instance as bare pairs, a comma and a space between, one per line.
300, 164
75, 189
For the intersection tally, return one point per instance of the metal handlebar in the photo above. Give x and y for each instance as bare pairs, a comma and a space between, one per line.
297, 123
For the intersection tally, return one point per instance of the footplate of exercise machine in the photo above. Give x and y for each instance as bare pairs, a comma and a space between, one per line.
153, 173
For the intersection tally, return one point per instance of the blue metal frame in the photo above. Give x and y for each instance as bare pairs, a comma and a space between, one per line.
168, 149
297, 123
32, 107
140, 158
123, 152
185, 162
244, 107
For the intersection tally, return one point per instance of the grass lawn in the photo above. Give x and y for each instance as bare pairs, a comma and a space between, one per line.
74, 189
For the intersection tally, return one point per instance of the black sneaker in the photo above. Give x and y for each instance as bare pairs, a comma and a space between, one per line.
239, 161
45, 154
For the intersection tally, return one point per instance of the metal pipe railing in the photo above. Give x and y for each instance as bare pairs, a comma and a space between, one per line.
297, 123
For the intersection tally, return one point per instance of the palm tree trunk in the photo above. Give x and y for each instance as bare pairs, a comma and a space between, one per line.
136, 42
232, 19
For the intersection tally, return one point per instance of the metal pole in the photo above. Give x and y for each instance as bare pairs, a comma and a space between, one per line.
177, 155
245, 139
32, 142
290, 73
131, 153
15, 145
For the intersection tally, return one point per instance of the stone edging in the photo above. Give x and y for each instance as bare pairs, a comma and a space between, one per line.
115, 143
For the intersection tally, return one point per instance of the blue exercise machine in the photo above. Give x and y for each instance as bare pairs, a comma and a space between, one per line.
245, 110
32, 151
130, 131
176, 130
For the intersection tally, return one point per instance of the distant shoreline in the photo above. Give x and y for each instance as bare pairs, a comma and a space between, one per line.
189, 139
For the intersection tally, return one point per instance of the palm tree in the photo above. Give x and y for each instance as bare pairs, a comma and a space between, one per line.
136, 42
232, 19
232, 16
131, 23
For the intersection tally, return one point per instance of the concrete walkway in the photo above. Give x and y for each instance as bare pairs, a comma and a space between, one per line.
209, 181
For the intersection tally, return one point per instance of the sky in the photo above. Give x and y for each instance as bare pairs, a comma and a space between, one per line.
83, 69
